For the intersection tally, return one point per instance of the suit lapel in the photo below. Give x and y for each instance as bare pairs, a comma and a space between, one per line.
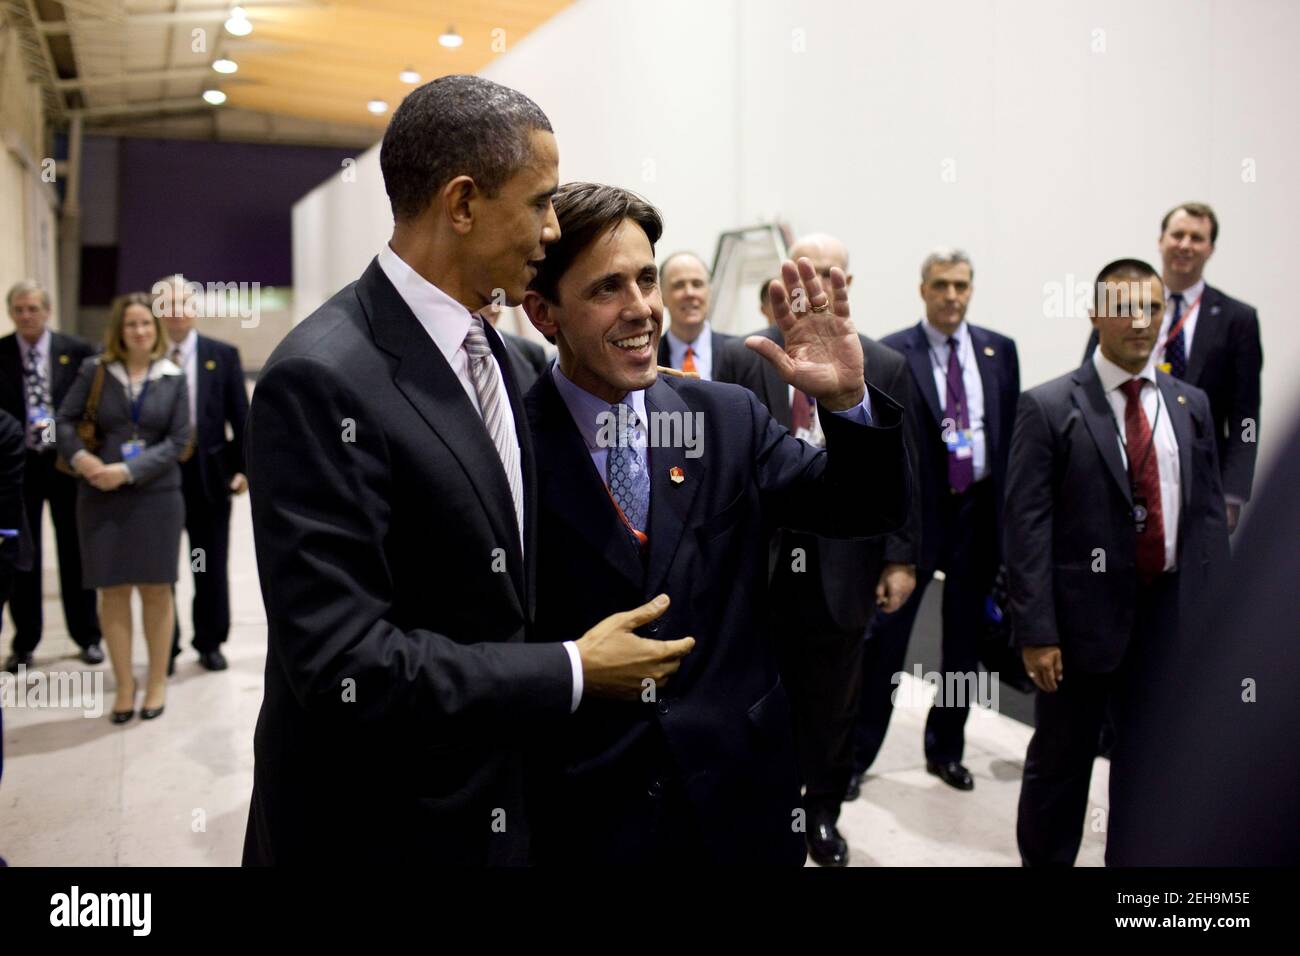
917, 350
670, 502
571, 487
1180, 416
60, 372
1209, 329
1097, 414
204, 379
987, 364
665, 357
429, 384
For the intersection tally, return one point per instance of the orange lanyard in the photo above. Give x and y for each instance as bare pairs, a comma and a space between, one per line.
641, 538
1187, 314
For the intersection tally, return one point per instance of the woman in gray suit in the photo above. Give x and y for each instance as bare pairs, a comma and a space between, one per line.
129, 504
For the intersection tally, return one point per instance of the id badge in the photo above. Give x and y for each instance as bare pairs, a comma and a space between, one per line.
961, 444
131, 449
1139, 513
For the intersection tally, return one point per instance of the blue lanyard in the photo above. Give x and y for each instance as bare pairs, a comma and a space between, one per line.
137, 403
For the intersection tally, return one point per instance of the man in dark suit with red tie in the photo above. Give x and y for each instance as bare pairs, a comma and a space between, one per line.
1115, 532
1210, 340
690, 343
969, 379
659, 483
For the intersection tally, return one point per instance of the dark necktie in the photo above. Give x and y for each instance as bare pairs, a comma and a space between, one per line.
1175, 352
961, 471
1144, 473
38, 400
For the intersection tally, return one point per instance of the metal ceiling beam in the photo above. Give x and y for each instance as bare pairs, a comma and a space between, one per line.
211, 15
150, 106
144, 76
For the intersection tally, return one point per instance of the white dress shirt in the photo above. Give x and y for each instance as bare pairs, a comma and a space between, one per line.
447, 323
1191, 297
189, 362
703, 346
970, 380
1166, 444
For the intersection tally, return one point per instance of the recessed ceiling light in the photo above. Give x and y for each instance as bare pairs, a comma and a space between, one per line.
377, 106
409, 75
215, 97
239, 24
225, 65
451, 38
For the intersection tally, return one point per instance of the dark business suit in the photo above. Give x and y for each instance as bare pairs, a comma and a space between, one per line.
821, 611
718, 344
958, 536
220, 400
43, 482
398, 684
15, 550
1069, 495
706, 771
1225, 364
528, 360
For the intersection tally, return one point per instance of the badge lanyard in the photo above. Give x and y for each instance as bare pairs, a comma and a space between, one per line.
137, 404
969, 431
1139, 502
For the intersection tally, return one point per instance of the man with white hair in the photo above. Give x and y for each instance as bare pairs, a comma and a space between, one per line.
37, 366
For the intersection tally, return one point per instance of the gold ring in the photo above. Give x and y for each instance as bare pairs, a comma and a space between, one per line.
822, 308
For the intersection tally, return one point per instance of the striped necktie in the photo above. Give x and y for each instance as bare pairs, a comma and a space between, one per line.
494, 407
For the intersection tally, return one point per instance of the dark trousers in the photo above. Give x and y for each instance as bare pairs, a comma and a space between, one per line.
968, 556
1058, 765
43, 482
821, 667
207, 525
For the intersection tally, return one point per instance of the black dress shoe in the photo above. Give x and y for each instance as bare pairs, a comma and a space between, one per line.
854, 789
953, 774
92, 654
826, 846
13, 661
122, 716
213, 660
149, 713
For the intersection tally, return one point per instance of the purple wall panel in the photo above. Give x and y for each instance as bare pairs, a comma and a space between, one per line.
218, 212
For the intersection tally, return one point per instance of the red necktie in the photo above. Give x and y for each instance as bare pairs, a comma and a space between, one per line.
688, 363
1144, 472
800, 411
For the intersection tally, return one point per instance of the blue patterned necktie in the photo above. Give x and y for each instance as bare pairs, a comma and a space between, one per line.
625, 472
1175, 353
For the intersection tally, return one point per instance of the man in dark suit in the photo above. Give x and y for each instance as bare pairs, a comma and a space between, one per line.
824, 591
1210, 340
1115, 531
689, 344
215, 471
668, 483
969, 378
37, 366
528, 360
393, 499
15, 539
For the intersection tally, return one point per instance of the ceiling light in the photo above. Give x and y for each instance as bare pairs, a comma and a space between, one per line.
377, 106
238, 24
215, 97
451, 38
409, 75
225, 65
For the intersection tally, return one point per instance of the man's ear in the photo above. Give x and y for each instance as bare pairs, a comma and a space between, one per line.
539, 312
848, 279
457, 198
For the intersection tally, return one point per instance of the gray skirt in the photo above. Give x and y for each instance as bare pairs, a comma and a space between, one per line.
129, 536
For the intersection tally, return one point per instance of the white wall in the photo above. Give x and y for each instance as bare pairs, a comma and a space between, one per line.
1013, 128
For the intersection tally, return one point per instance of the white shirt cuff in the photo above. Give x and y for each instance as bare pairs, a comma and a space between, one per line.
575, 664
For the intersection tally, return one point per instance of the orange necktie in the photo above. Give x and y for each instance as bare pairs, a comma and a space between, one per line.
688, 363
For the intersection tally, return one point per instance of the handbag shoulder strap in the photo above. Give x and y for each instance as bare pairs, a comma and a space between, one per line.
91, 413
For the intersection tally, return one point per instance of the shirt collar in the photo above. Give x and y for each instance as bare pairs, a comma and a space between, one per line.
1190, 294
1112, 376
42, 345
937, 339
157, 369
445, 319
587, 410
187, 345
703, 346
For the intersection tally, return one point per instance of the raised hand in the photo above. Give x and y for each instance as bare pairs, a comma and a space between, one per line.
822, 356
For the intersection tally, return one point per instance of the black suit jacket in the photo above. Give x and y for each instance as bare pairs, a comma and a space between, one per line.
848, 569
221, 399
67, 352
718, 342
999, 369
1225, 363
398, 683
15, 553
724, 714
1068, 494
528, 360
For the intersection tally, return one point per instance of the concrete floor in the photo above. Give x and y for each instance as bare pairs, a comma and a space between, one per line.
174, 791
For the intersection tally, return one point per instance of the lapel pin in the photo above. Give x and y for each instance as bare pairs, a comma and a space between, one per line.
1167, 368
209, 365
63, 360
1182, 399
988, 350
676, 475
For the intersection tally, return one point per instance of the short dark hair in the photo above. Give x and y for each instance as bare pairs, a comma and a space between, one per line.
586, 211
1129, 268
663, 266
1198, 209
455, 126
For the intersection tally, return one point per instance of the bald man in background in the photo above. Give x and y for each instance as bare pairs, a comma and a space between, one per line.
689, 344
824, 592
